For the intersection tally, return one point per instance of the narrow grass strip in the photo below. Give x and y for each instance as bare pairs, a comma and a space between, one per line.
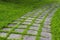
40, 28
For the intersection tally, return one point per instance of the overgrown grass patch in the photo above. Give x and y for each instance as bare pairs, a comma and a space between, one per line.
11, 11
55, 26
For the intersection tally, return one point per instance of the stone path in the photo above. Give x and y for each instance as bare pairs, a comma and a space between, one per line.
34, 25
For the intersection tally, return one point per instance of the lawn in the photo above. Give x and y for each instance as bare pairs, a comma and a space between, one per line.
11, 10
55, 26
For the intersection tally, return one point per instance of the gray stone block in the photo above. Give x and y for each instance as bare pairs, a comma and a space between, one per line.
34, 28
14, 36
19, 30
41, 17
38, 19
47, 26
22, 26
32, 17
6, 29
26, 37
32, 32
45, 34
46, 30
12, 25
41, 38
37, 25
23, 17
28, 20
38, 22
47, 23
3, 34
26, 23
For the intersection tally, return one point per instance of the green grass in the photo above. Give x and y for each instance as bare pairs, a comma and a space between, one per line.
11, 11
55, 26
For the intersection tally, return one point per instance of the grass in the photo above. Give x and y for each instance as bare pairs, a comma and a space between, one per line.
9, 11
12, 10
55, 26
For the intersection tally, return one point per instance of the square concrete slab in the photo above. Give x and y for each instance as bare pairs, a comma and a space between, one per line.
6, 29
32, 32
45, 34
34, 16
37, 22
19, 30
3, 34
38, 19
46, 30
37, 25
23, 17
28, 20
11, 25
47, 23
47, 26
14, 36
26, 23
42, 16
48, 19
34, 28
22, 26
41, 38
31, 17
26, 37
